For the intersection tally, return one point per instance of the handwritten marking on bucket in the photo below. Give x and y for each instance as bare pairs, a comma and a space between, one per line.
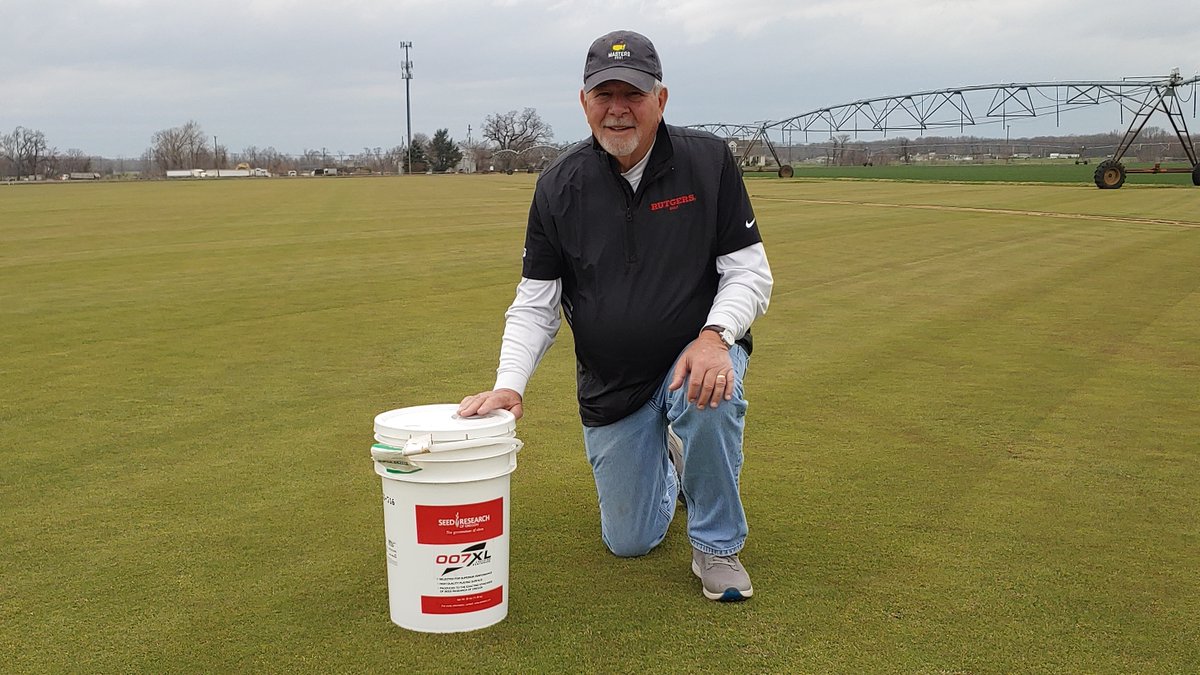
446, 483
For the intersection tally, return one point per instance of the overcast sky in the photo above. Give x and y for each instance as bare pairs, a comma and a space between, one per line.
104, 75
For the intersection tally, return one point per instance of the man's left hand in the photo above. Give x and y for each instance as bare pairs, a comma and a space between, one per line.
706, 366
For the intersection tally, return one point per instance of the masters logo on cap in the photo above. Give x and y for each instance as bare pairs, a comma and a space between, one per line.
625, 56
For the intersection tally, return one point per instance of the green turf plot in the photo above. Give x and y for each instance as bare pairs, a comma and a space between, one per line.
971, 441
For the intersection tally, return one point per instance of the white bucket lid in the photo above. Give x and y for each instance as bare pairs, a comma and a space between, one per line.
441, 420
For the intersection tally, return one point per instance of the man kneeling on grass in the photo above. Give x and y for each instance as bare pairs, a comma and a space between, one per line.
644, 237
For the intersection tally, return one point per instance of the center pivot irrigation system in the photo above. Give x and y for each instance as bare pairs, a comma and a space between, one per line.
967, 106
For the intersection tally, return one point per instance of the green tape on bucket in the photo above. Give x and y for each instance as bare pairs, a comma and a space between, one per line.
400, 461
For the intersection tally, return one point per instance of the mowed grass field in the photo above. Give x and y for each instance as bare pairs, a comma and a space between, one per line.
973, 440
1017, 171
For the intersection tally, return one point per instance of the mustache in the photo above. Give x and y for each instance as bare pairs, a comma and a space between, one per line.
619, 122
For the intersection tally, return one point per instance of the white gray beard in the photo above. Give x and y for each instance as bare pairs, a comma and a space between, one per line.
619, 148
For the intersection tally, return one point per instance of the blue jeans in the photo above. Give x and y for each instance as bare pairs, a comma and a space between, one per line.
636, 483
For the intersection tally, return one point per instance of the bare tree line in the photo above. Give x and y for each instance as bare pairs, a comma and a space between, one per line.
511, 140
515, 140
25, 149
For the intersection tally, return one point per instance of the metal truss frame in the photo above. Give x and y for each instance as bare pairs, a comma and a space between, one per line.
960, 107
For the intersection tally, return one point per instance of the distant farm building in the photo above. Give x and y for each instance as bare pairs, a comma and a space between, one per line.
218, 173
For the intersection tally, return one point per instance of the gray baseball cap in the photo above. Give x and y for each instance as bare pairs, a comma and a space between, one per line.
622, 55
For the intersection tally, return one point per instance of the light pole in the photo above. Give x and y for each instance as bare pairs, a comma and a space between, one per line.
406, 72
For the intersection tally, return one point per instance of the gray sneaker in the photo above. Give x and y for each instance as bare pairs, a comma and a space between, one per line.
722, 577
675, 450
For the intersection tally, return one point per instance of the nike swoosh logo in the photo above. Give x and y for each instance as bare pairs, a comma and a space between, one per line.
750, 223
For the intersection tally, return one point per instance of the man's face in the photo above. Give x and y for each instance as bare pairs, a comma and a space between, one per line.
623, 119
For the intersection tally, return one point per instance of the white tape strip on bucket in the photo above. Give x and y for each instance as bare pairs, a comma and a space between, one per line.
445, 451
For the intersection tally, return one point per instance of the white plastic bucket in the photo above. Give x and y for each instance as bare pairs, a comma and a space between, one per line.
446, 515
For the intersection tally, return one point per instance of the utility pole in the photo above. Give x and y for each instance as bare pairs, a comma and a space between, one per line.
217, 168
406, 72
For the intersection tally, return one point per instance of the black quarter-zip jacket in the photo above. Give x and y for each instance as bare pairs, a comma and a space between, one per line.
638, 269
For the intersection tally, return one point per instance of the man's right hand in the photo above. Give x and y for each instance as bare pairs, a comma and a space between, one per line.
486, 401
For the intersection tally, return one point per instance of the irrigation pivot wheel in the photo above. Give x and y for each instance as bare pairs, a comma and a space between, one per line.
785, 171
1196, 175
1110, 175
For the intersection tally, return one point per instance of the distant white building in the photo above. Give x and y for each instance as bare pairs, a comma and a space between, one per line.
218, 173
236, 173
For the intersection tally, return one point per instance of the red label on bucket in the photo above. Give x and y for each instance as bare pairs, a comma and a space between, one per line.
460, 524
461, 604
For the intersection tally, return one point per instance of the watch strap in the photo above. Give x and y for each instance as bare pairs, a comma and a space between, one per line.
725, 333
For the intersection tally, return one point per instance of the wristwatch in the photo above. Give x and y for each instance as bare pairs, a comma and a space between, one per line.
725, 333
